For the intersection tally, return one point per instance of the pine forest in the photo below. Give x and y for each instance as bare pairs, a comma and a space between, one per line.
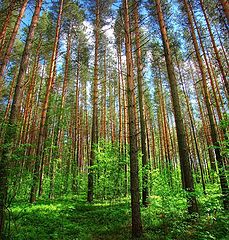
114, 119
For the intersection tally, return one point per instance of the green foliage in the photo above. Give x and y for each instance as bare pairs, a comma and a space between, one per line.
109, 217
224, 125
73, 218
69, 219
109, 171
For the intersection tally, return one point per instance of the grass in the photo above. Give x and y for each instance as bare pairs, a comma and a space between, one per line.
74, 219
70, 219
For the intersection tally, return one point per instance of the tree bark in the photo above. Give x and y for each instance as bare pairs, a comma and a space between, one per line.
186, 173
104, 108
6, 56
24, 63
44, 110
76, 130
192, 121
134, 181
6, 23
141, 107
94, 132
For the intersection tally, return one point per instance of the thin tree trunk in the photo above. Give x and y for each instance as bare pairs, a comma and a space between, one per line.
94, 133
207, 137
125, 127
192, 127
104, 112
76, 130
141, 107
120, 105
134, 181
29, 97
12, 86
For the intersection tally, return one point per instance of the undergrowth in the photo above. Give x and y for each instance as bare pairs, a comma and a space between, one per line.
71, 218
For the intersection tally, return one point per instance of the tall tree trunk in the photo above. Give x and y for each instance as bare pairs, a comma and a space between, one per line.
141, 106
207, 137
166, 137
45, 108
134, 181
190, 113
94, 132
76, 130
113, 115
120, 105
125, 128
29, 98
186, 173
104, 112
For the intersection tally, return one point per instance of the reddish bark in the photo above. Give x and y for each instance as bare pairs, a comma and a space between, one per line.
45, 108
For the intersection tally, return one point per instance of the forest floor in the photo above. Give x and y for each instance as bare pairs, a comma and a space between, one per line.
74, 219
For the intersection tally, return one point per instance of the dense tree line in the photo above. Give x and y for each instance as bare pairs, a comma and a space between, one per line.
98, 96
